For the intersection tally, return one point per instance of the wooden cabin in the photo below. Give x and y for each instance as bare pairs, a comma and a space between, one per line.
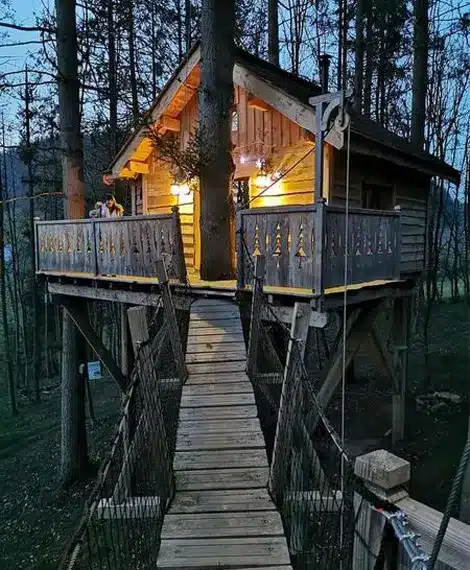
287, 212
274, 123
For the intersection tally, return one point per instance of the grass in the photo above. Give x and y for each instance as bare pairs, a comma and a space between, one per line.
36, 517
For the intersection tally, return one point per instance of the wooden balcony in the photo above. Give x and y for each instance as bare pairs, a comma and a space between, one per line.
304, 248
119, 248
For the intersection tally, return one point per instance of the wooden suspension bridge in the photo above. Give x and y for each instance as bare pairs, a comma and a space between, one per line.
222, 514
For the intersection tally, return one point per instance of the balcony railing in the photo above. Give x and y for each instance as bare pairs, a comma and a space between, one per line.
304, 246
128, 246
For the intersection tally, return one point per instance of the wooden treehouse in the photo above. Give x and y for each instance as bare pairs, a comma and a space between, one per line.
311, 236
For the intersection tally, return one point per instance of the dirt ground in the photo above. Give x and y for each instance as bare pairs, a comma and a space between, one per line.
37, 519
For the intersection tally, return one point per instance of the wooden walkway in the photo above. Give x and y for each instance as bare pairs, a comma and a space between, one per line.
222, 515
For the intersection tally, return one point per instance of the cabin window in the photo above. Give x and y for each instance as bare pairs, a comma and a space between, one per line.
377, 197
241, 190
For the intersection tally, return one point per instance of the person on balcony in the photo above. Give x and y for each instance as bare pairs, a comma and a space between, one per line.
111, 209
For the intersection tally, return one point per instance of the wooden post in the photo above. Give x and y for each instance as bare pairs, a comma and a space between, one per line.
178, 246
290, 394
384, 474
320, 254
401, 324
256, 314
240, 249
172, 323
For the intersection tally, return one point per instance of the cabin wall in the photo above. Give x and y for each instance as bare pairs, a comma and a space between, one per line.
160, 200
408, 189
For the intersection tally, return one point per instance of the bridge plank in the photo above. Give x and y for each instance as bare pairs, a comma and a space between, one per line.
200, 332
211, 367
222, 412
219, 326
219, 459
215, 339
211, 441
241, 387
216, 400
214, 316
220, 425
213, 501
215, 347
217, 356
217, 378
223, 552
222, 479
220, 525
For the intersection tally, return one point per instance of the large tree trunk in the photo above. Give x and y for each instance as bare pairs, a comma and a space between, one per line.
359, 56
112, 78
74, 450
74, 445
133, 67
273, 32
215, 104
420, 71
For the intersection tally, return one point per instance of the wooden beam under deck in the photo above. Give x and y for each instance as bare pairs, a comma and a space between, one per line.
145, 290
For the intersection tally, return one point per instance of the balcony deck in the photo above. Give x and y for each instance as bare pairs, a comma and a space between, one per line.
304, 248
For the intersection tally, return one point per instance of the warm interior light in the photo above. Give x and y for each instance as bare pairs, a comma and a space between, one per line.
262, 181
180, 189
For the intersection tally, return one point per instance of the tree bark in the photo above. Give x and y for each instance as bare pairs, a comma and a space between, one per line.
133, 67
69, 110
215, 104
74, 456
112, 78
187, 24
273, 32
7, 355
369, 62
74, 449
420, 71
359, 56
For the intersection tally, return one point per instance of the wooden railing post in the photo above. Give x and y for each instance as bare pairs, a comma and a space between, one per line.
172, 323
240, 249
256, 314
320, 253
385, 475
178, 246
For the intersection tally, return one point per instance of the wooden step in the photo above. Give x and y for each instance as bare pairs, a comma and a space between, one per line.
209, 347
213, 316
219, 459
211, 501
212, 367
215, 400
219, 425
242, 387
218, 525
217, 356
217, 378
220, 479
219, 326
222, 412
200, 441
223, 552
197, 331
215, 339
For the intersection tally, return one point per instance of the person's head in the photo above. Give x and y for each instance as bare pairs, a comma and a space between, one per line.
110, 201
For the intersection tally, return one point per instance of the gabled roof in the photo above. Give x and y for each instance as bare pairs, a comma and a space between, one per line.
290, 95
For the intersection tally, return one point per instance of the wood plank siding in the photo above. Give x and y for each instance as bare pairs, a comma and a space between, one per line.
402, 187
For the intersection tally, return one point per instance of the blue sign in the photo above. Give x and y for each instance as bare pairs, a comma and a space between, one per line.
94, 370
